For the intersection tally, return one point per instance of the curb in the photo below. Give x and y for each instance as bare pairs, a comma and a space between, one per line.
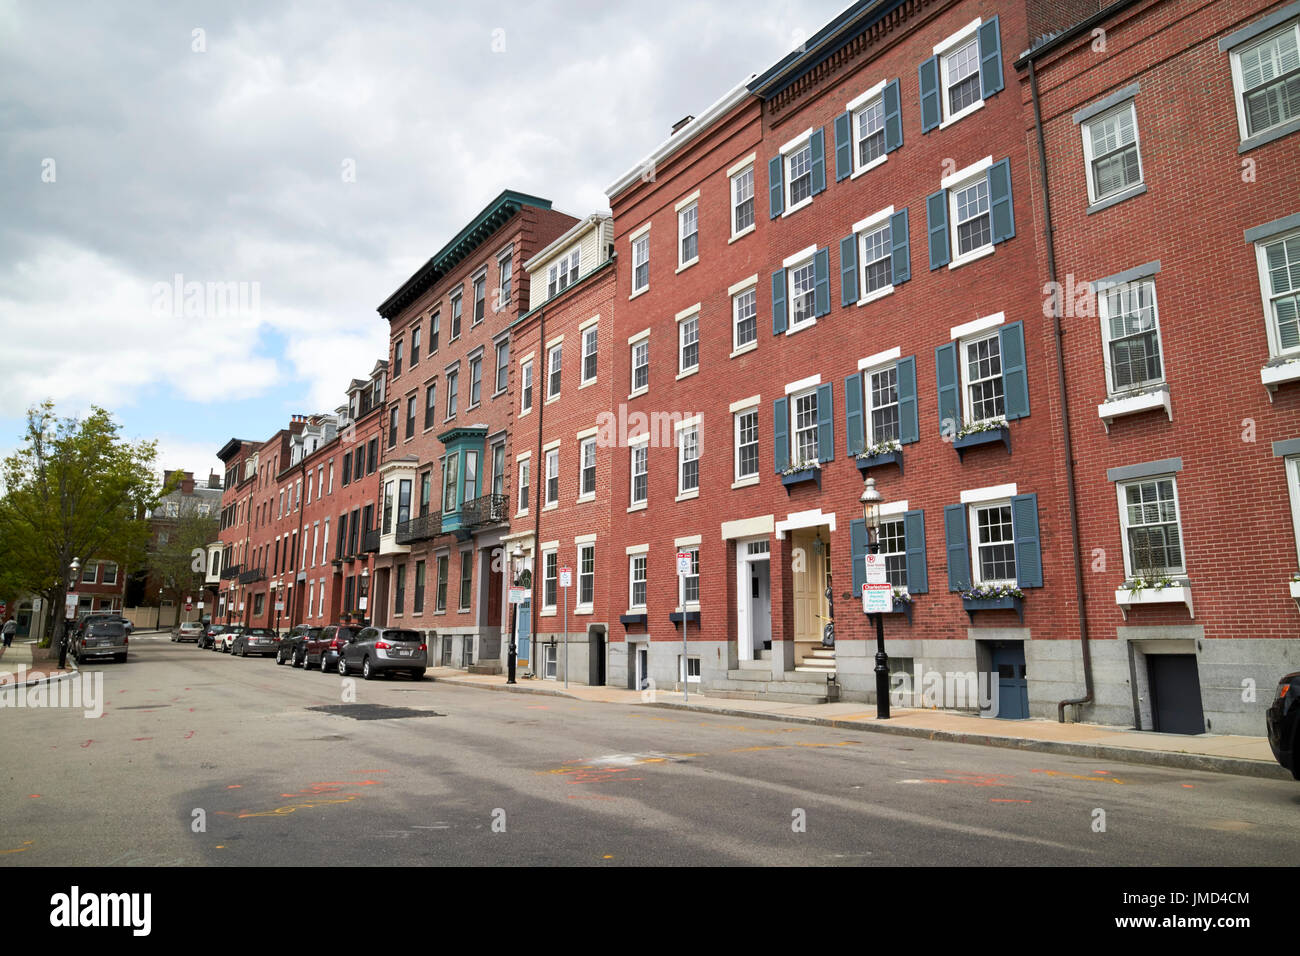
1174, 760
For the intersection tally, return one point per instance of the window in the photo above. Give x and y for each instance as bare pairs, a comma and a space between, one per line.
498, 469
524, 477
466, 579
372, 457
397, 358
562, 273
392, 427
426, 491
417, 605
446, 650
110, 573
399, 589
455, 316
691, 582
471, 476
452, 387
803, 284
503, 367
688, 460
1266, 75
589, 356
415, 346
434, 325
550, 578
691, 672
744, 313
1293, 483
688, 340
467, 652
587, 457
550, 652
553, 477
688, 233
410, 416
526, 374
805, 427
877, 272
450, 466
586, 575
882, 404
995, 546
505, 268
746, 444
640, 263
982, 378
430, 405
403, 503
1279, 267
742, 201
640, 365
869, 121
799, 175
640, 475
480, 298
475, 380
1110, 149
971, 217
1152, 535
636, 572
1132, 336
893, 546
440, 598
553, 378
960, 71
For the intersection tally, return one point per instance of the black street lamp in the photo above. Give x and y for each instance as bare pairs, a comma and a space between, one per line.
871, 500
516, 557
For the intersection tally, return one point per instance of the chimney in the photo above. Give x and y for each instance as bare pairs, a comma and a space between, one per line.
680, 123
213, 480
187, 483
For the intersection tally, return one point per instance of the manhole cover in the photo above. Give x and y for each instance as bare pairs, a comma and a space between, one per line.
373, 711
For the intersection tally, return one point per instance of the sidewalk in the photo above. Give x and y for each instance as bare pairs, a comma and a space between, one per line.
19, 655
1219, 753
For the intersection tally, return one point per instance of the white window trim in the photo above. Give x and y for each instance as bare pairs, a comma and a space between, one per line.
972, 524
633, 342
636, 504
742, 407
585, 438
583, 381
853, 107
1102, 300
552, 547
1293, 485
550, 350
749, 162
942, 50
973, 496
640, 551
1123, 522
1131, 105
580, 542
950, 185
683, 316
804, 384
680, 209
975, 327
744, 285
796, 261
1270, 325
873, 362
963, 373
861, 230
690, 424
520, 460
864, 382
547, 503
631, 242
686, 544
1239, 84
793, 146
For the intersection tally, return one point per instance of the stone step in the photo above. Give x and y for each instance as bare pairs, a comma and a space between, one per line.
764, 665
490, 667
813, 676
781, 697
827, 652
812, 669
750, 676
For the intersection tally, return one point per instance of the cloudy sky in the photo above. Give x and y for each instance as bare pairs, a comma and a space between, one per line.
316, 153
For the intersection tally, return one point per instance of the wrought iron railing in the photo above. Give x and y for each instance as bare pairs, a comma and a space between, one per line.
370, 541
231, 572
249, 577
421, 528
489, 509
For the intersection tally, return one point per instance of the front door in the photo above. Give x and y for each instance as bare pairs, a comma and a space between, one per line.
1175, 694
596, 649
495, 585
522, 639
642, 667
810, 610
1013, 688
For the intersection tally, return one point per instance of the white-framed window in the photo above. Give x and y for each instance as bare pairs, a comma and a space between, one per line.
1279, 276
311, 596
880, 388
503, 367
550, 655
875, 257
688, 460
562, 273
1266, 80
553, 359
993, 552
742, 200
110, 573
744, 318
550, 578
589, 354
959, 76
690, 583
453, 393
475, 391
691, 672
1149, 519
1293, 485
893, 546
802, 284
971, 217
1130, 328
798, 175
641, 365
746, 431
415, 346
505, 269
981, 374
688, 344
869, 133
640, 263
803, 431
1110, 151
456, 307
586, 574
525, 477
688, 234
552, 477
636, 571
526, 387
640, 473
479, 288
587, 458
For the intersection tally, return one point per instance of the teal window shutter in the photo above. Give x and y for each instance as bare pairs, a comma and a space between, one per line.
818, 143
1001, 213
849, 270
780, 443
1029, 555
931, 104
893, 116
954, 532
936, 221
822, 286
1015, 379
843, 146
900, 257
918, 578
853, 414
775, 187
909, 424
825, 424
948, 377
990, 43
858, 548
778, 301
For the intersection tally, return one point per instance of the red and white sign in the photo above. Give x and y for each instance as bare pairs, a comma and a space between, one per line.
877, 599
683, 562
875, 569
189, 607
566, 577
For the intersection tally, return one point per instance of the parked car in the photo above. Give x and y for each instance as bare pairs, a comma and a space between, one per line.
187, 631
1283, 722
227, 637
323, 651
293, 646
101, 639
254, 640
380, 650
209, 637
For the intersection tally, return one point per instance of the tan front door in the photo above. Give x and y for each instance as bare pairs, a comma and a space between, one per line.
809, 586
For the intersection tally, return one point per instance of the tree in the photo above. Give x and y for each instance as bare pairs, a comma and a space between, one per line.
181, 562
74, 489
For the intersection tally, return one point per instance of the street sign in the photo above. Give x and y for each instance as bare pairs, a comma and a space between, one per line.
361, 603
200, 605
189, 607
518, 595
876, 569
877, 598
683, 562
279, 606
566, 577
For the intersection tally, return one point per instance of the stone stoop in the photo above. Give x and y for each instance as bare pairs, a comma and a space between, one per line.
796, 687
488, 667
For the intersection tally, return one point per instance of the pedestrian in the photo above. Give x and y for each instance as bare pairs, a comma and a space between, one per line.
10, 627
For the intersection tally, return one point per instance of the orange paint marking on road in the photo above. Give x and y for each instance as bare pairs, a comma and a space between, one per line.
33, 796
1189, 786
234, 786
292, 807
21, 848
1078, 776
607, 857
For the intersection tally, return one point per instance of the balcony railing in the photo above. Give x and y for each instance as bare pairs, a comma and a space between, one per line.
231, 572
423, 528
489, 509
370, 541
249, 577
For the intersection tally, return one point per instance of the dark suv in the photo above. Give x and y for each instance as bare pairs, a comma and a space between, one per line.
1283, 722
294, 644
101, 639
323, 650
377, 650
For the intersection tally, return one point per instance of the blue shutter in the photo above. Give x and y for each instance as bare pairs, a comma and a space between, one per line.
900, 257
849, 270
775, 187
780, 443
918, 578
954, 532
931, 105
843, 146
893, 116
825, 424
778, 301
1015, 379
948, 377
936, 219
1029, 556
818, 143
853, 413
858, 548
909, 424
990, 43
822, 288
1001, 213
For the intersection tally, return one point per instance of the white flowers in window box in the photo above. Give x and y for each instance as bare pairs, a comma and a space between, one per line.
886, 447
802, 466
974, 428
1163, 590
1131, 403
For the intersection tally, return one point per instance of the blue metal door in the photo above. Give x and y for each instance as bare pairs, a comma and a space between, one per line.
522, 640
1013, 688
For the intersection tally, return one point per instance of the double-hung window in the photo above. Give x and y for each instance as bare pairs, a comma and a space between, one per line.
526, 387
688, 460
552, 477
640, 365
417, 604
1266, 79
1293, 485
470, 491
525, 474
1132, 334
799, 175
586, 574
455, 316
587, 457
960, 71
410, 416
744, 317
688, 344
415, 346
881, 393
466, 583
553, 359
475, 380
393, 412
562, 273
503, 367
869, 132
453, 389
640, 473
742, 200
450, 467
971, 218
397, 358
430, 404
637, 581
877, 259
1110, 149
893, 547
690, 590
688, 234
1152, 532
550, 579
1279, 268
435, 324
805, 421
981, 368
746, 426
802, 295
505, 268
640, 263
480, 297
440, 596
994, 543
590, 340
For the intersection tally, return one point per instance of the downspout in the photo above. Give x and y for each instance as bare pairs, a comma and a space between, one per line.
539, 479
1059, 332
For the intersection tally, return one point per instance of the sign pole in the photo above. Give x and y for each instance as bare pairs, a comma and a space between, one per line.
683, 569
566, 581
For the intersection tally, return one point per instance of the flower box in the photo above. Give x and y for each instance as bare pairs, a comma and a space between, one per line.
691, 617
894, 457
799, 477
989, 436
1129, 599
1295, 590
1120, 405
1279, 373
1005, 603
628, 620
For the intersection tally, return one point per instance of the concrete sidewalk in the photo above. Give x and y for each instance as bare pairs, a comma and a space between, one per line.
1220, 753
18, 660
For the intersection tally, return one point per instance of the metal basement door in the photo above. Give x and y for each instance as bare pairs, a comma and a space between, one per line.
1175, 694
1013, 688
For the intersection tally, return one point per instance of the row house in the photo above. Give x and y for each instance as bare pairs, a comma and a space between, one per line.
240, 458
443, 482
250, 598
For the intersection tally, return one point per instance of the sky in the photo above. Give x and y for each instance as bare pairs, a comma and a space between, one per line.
294, 163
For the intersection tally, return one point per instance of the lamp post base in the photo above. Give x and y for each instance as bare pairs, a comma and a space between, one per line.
882, 671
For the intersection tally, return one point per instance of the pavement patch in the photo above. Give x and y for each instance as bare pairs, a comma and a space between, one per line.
373, 711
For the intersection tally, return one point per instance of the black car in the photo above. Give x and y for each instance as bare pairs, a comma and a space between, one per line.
1283, 720
208, 638
293, 646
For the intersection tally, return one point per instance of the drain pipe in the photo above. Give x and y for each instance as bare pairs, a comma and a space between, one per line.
1059, 333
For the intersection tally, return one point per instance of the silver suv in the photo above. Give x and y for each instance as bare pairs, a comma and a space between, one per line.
101, 639
376, 650
187, 631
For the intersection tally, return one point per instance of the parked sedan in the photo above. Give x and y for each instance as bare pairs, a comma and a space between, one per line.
261, 641
187, 631
324, 649
1283, 722
101, 639
378, 650
208, 638
293, 646
227, 637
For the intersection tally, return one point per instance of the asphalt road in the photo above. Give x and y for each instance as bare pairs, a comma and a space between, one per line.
203, 759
